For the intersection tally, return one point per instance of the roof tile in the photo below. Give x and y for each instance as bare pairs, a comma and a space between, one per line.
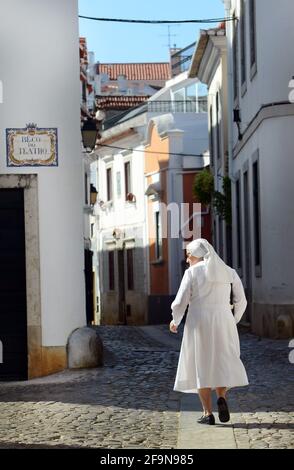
136, 71
119, 102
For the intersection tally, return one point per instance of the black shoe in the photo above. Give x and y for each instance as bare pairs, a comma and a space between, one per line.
208, 419
223, 410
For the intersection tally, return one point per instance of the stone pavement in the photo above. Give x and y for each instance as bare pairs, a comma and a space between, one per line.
130, 403
262, 414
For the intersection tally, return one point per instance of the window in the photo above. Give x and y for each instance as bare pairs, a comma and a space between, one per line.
118, 183
158, 233
211, 137
256, 214
220, 237
239, 228
236, 60
246, 227
243, 42
130, 269
84, 92
191, 96
252, 32
179, 101
127, 179
111, 270
218, 123
86, 189
109, 184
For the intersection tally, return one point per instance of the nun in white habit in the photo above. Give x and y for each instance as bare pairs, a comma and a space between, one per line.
210, 351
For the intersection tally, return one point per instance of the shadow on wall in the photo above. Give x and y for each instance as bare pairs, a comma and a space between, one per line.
124, 293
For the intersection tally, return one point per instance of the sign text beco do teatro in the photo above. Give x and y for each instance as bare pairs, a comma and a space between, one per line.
32, 146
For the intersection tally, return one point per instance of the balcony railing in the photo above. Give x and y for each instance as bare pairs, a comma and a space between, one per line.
181, 60
190, 106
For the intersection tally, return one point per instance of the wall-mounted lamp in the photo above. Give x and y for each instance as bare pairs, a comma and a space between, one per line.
90, 134
237, 120
100, 115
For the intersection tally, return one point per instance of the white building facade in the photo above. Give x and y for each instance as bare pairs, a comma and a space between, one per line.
43, 305
122, 178
260, 66
209, 65
118, 240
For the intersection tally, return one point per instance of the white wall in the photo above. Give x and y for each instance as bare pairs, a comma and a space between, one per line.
276, 209
195, 127
40, 75
273, 138
122, 212
274, 38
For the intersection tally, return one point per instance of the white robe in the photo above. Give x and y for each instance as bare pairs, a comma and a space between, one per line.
210, 350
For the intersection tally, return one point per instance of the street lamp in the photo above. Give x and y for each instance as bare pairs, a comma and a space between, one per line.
90, 134
100, 115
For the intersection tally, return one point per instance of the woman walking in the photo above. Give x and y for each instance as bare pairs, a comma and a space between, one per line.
210, 351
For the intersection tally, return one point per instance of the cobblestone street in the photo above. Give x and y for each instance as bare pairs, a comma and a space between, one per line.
263, 414
127, 403
130, 403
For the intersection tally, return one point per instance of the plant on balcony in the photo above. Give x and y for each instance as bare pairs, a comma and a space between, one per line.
203, 190
203, 187
130, 197
222, 201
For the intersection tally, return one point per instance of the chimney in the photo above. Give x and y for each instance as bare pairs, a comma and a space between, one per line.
175, 58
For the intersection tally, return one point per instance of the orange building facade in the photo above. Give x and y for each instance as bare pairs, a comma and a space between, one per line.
163, 171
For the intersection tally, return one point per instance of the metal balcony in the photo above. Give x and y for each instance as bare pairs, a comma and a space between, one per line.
191, 106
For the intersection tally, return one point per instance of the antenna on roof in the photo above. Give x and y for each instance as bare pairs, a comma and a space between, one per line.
169, 35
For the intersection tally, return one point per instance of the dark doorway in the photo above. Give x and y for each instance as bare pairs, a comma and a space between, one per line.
121, 288
13, 301
248, 289
229, 260
89, 286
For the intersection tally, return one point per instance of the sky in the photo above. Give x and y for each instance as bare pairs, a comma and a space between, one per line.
116, 42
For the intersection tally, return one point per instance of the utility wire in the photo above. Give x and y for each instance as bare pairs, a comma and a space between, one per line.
121, 20
148, 151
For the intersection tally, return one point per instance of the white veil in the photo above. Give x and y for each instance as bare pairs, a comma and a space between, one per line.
216, 268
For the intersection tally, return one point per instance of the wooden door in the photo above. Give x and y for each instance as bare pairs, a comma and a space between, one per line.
121, 287
13, 310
